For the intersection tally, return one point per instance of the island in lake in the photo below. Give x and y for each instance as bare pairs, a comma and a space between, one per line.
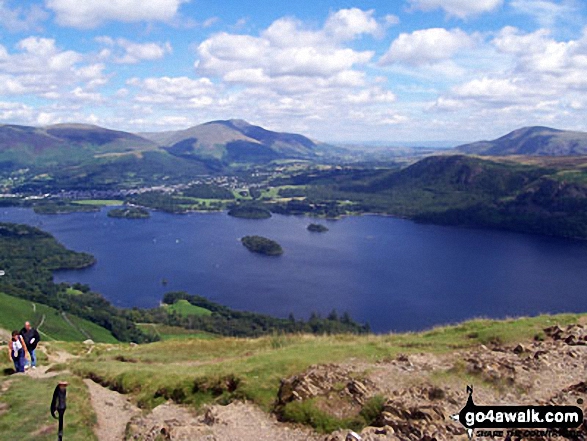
262, 245
130, 213
248, 212
317, 228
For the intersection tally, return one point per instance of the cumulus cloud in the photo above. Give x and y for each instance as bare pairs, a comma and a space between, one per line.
535, 79
347, 24
287, 72
175, 91
427, 46
286, 48
457, 8
41, 68
129, 52
89, 14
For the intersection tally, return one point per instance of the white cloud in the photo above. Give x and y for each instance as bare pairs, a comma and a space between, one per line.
176, 92
289, 76
427, 46
41, 68
89, 14
19, 19
534, 79
347, 24
457, 8
128, 52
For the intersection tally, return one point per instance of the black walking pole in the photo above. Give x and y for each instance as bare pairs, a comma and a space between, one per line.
58, 404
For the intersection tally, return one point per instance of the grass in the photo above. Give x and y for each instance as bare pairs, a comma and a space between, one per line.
186, 309
172, 369
53, 325
100, 202
27, 414
165, 332
308, 413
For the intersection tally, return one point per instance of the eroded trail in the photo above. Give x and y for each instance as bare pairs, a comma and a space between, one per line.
113, 411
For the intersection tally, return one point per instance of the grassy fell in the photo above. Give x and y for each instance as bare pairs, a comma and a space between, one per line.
27, 413
15, 311
196, 371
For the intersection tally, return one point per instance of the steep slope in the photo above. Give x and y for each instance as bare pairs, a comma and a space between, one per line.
234, 141
533, 141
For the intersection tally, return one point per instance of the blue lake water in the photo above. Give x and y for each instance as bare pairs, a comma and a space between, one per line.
395, 274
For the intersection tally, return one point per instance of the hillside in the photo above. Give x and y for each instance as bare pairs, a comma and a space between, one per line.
64, 144
532, 141
234, 141
87, 157
388, 388
453, 190
52, 324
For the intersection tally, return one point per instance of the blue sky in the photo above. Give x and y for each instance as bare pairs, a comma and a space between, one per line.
344, 71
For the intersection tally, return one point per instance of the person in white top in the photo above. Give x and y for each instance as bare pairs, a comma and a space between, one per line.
17, 351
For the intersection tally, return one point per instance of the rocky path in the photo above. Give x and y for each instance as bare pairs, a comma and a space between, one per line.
113, 411
235, 422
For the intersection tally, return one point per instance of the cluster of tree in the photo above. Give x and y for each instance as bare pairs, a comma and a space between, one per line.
62, 207
161, 201
228, 322
262, 245
249, 212
207, 191
317, 228
130, 213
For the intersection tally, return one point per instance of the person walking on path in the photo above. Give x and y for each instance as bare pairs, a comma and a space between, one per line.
17, 350
31, 339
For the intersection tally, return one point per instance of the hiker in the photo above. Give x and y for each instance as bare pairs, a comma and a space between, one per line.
17, 350
31, 339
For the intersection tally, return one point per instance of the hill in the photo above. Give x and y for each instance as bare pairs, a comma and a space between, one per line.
386, 387
453, 190
88, 157
52, 324
64, 144
532, 141
234, 141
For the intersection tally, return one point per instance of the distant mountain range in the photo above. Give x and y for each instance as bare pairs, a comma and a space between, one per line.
531, 141
215, 143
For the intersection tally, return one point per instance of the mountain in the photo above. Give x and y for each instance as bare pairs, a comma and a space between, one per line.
64, 144
532, 141
83, 157
234, 141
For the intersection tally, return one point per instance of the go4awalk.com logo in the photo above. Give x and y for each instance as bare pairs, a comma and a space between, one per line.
519, 421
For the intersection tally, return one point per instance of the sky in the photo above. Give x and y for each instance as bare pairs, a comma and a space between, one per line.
338, 71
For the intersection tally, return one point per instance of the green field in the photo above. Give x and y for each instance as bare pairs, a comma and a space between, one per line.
28, 418
52, 324
100, 202
186, 309
165, 332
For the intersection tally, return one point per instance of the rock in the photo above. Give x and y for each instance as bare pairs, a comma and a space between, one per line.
89, 342
320, 381
520, 349
210, 417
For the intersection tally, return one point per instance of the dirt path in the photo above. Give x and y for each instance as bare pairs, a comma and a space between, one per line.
235, 422
113, 410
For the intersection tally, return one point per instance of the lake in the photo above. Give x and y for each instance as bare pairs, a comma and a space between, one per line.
395, 274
